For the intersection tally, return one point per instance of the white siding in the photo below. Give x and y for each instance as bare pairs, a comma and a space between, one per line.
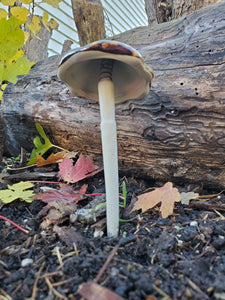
120, 16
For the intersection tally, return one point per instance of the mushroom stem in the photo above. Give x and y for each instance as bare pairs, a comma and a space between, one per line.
110, 158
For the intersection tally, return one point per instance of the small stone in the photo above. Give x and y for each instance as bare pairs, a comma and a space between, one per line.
194, 223
98, 233
26, 262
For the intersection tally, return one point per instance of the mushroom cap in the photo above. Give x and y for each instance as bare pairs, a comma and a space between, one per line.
80, 70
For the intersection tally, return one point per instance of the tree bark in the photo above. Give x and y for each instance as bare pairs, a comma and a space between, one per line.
151, 12
176, 133
184, 7
89, 19
160, 11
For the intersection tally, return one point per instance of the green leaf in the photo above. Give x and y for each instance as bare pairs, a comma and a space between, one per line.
11, 37
21, 66
17, 191
40, 148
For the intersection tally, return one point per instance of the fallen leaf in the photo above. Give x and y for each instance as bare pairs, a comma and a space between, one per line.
51, 159
20, 190
186, 197
92, 291
167, 195
82, 169
66, 193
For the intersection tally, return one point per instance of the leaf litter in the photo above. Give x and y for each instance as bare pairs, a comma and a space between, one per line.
154, 258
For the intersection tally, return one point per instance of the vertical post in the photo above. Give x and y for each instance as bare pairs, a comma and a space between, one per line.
89, 20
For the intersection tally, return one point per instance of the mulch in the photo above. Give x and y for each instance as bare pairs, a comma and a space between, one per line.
181, 257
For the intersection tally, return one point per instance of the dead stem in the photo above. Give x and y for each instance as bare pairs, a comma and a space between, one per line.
54, 291
104, 267
34, 291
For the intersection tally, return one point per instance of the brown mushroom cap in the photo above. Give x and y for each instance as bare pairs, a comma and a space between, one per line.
80, 70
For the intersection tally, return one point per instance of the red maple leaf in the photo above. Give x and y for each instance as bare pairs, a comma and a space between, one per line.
66, 194
82, 169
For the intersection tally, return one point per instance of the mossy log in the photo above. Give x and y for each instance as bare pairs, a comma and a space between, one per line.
176, 133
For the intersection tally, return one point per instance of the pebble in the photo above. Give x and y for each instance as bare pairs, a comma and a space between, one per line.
194, 223
26, 262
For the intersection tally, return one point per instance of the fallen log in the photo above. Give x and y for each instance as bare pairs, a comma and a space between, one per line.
175, 133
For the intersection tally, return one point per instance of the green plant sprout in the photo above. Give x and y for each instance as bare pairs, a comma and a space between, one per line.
41, 149
123, 205
124, 193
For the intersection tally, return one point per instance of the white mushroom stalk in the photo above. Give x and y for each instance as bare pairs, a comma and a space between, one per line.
109, 146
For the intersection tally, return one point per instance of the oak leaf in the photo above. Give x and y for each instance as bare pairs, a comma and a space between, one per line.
82, 169
167, 195
66, 193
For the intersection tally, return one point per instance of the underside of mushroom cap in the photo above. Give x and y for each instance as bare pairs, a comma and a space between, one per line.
80, 70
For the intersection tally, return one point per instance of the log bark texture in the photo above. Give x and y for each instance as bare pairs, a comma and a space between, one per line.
185, 7
175, 133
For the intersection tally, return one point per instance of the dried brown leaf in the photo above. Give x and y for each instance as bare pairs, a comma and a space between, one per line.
52, 159
92, 291
167, 195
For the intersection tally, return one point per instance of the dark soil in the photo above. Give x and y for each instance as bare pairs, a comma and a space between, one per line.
182, 257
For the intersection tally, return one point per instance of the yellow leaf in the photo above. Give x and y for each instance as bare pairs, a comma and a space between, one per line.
16, 56
26, 1
3, 13
49, 24
35, 26
54, 3
8, 2
167, 195
26, 36
3, 86
45, 20
45, 17
20, 12
19, 190
53, 24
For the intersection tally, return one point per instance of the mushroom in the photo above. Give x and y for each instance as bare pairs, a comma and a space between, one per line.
109, 72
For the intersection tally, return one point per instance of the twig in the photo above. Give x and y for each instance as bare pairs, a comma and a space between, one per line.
54, 291
208, 206
21, 168
59, 257
196, 288
14, 224
165, 296
34, 291
104, 267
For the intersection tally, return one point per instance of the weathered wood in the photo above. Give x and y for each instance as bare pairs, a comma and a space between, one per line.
175, 133
185, 7
36, 48
89, 20
160, 11
151, 11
